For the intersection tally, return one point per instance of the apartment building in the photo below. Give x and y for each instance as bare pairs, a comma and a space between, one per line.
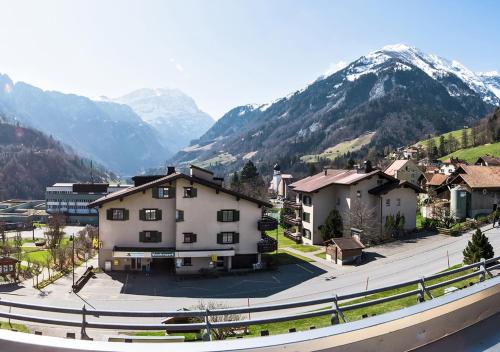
72, 200
351, 192
182, 223
405, 170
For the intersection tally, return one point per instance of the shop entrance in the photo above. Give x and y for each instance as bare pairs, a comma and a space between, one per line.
163, 265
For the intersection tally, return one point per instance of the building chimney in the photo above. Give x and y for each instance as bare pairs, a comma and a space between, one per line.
325, 171
368, 166
170, 170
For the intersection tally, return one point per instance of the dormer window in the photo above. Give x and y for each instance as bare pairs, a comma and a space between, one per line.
190, 192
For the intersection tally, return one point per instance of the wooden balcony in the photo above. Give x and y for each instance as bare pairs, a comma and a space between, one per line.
292, 220
267, 244
294, 236
292, 204
267, 223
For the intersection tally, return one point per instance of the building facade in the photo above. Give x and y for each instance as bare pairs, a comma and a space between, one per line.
72, 200
355, 194
405, 170
182, 223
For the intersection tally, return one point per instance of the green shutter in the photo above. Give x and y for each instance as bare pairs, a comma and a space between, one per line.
194, 192
236, 237
158, 236
219, 215
158, 214
171, 192
193, 237
155, 192
142, 214
109, 214
236, 215
141, 236
219, 238
125, 214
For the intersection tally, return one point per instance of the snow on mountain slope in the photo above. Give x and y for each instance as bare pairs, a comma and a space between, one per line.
174, 115
434, 66
491, 80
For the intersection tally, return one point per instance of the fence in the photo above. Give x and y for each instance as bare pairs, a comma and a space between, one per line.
336, 311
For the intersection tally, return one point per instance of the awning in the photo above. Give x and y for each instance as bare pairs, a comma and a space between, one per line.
205, 253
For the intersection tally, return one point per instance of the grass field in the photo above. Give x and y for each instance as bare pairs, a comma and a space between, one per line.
38, 257
321, 255
470, 155
9, 326
340, 149
457, 134
284, 242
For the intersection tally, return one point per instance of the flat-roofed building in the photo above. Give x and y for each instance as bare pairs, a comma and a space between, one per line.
183, 224
72, 199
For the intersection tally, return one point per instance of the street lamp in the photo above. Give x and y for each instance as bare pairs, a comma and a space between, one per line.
72, 239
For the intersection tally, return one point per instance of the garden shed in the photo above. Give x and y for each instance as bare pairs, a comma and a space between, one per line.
344, 250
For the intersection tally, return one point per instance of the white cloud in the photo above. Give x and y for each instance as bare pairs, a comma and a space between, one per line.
179, 67
172, 60
335, 66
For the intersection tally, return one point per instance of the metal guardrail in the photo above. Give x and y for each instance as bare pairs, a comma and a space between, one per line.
336, 310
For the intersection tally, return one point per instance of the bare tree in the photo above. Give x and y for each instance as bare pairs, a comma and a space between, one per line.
55, 230
83, 240
18, 244
364, 217
220, 333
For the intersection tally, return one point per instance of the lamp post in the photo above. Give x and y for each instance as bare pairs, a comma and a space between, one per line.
72, 238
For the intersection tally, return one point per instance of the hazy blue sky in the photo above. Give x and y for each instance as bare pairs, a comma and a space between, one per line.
227, 53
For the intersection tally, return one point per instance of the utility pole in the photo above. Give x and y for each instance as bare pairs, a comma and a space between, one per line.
73, 261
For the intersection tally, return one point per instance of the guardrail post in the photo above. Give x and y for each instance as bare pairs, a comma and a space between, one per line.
207, 335
338, 313
482, 269
423, 291
83, 332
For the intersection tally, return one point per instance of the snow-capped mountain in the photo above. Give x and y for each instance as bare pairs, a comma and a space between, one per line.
172, 113
491, 80
396, 95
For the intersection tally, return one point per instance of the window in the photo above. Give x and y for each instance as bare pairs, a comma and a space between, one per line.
307, 200
179, 215
189, 237
306, 233
388, 202
164, 192
398, 202
358, 194
306, 217
116, 214
190, 192
150, 214
228, 238
149, 236
228, 215
186, 262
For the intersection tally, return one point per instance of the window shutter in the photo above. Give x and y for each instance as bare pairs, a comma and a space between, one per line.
219, 238
193, 237
142, 215
109, 214
158, 236
158, 213
125, 214
194, 192
141, 236
155, 192
236, 237
219, 215
236, 215
171, 192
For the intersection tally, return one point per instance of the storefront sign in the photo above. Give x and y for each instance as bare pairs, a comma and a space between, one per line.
162, 254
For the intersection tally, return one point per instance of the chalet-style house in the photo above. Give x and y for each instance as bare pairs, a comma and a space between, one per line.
449, 166
183, 224
351, 193
404, 170
472, 190
488, 160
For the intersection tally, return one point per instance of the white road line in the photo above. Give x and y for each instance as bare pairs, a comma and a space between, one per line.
276, 279
309, 271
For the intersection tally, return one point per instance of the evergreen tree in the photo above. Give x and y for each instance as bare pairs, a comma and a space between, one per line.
431, 147
312, 169
235, 182
465, 141
442, 146
350, 164
249, 172
478, 247
333, 226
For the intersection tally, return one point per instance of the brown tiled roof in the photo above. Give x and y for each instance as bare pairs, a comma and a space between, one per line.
480, 176
490, 160
437, 180
331, 177
172, 177
395, 166
346, 243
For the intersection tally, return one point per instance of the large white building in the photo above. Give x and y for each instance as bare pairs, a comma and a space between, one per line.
182, 223
72, 200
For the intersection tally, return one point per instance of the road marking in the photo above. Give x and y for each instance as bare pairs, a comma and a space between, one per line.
309, 271
276, 279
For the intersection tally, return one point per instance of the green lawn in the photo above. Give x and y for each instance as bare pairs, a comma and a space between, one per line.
38, 257
10, 326
321, 255
470, 155
284, 242
457, 134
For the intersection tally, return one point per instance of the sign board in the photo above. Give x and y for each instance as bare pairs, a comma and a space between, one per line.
213, 258
162, 254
